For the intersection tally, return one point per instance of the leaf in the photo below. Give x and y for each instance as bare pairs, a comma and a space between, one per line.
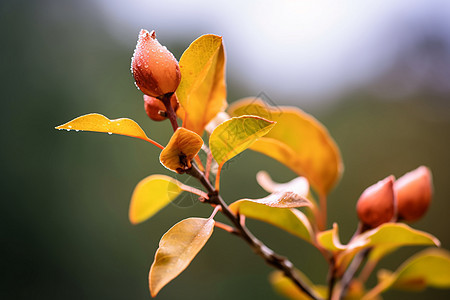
177, 249
388, 236
297, 185
378, 252
235, 135
181, 149
202, 90
396, 234
330, 240
299, 141
280, 200
284, 286
290, 220
151, 195
100, 123
430, 267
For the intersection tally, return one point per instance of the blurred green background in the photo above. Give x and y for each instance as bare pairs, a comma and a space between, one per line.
64, 227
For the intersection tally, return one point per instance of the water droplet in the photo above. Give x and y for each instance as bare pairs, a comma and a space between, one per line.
68, 129
76, 130
109, 133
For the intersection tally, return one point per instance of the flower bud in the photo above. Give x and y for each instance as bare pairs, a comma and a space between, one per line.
414, 191
155, 69
155, 108
376, 205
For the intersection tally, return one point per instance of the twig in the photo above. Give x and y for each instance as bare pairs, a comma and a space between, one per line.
242, 231
331, 278
351, 271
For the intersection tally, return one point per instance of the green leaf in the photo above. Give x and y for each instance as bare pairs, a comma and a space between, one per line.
235, 135
430, 267
290, 220
100, 123
177, 248
151, 195
299, 141
202, 90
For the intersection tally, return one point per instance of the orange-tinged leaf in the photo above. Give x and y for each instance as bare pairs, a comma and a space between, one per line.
177, 249
290, 220
430, 267
202, 90
151, 195
284, 286
99, 123
181, 149
235, 135
299, 141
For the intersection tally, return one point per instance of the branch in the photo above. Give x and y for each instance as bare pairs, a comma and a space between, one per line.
272, 258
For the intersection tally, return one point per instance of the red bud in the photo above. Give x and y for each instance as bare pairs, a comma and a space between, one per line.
155, 108
414, 191
154, 68
376, 205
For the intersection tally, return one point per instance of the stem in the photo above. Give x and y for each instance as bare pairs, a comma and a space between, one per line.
367, 270
225, 227
322, 218
272, 258
331, 278
351, 271
169, 109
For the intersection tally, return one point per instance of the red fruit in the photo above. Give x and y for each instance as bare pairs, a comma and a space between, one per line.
376, 205
155, 108
414, 191
155, 69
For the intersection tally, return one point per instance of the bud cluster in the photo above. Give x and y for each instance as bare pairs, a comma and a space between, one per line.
389, 200
156, 73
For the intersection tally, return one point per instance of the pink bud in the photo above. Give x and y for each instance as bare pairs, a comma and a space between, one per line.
376, 205
155, 108
414, 191
154, 68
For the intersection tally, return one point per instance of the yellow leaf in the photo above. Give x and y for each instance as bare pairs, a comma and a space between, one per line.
378, 252
181, 149
330, 240
290, 220
284, 286
280, 200
396, 234
202, 90
235, 135
299, 141
430, 267
177, 249
388, 236
100, 123
151, 195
